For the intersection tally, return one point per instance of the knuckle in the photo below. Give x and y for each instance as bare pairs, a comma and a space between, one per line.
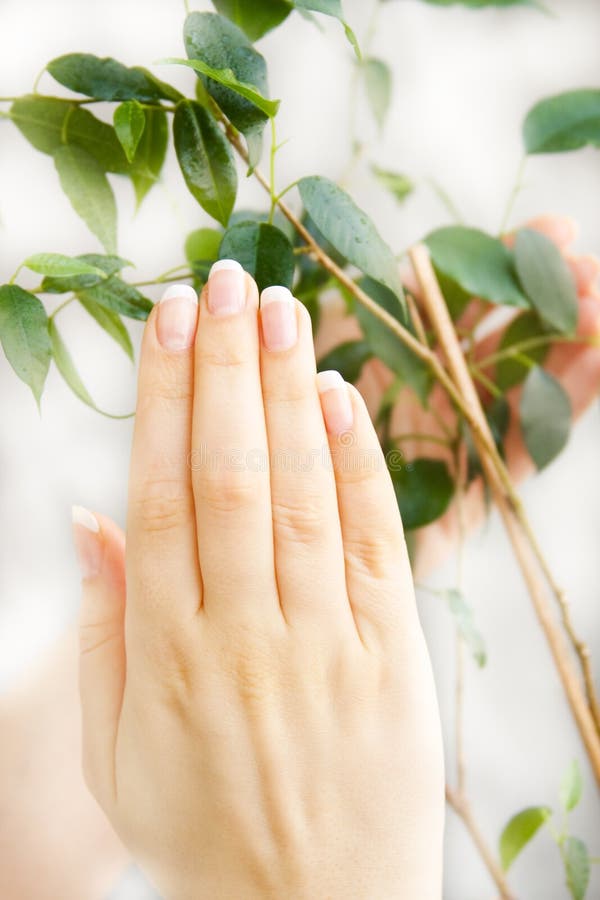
223, 355
371, 552
161, 504
165, 382
292, 391
300, 520
225, 491
94, 635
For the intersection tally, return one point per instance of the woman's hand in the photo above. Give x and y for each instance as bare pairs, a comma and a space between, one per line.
259, 716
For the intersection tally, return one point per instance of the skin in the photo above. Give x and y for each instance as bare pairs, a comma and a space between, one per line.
45, 804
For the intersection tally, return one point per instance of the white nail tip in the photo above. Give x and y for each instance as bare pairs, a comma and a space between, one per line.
85, 518
329, 380
180, 292
276, 294
222, 264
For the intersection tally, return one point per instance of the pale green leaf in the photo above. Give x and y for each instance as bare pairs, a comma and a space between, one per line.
547, 280
24, 336
129, 120
398, 185
110, 322
519, 831
227, 78
57, 265
465, 622
378, 82
91, 196
565, 122
66, 367
571, 787
577, 867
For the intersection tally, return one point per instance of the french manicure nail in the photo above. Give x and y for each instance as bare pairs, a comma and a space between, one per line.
278, 318
335, 402
86, 534
177, 317
226, 288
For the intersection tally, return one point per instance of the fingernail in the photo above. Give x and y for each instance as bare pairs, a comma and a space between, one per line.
335, 402
177, 317
86, 533
226, 288
278, 318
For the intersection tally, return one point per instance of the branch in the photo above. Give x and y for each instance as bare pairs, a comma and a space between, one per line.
519, 530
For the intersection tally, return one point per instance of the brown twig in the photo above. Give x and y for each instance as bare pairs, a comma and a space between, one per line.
463, 810
519, 530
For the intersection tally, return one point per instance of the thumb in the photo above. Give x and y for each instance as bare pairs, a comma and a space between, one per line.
100, 546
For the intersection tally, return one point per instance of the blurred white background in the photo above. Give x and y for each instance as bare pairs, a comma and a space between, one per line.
463, 82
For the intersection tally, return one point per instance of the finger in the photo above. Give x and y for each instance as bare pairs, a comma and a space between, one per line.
586, 271
100, 547
161, 538
230, 459
309, 559
561, 230
377, 569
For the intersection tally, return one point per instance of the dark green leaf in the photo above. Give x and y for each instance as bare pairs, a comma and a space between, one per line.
547, 280
347, 359
263, 250
66, 367
480, 264
424, 489
398, 185
96, 138
130, 121
24, 336
545, 417
463, 615
222, 45
104, 79
519, 831
378, 82
512, 370
226, 77
498, 416
110, 322
206, 159
565, 122
350, 231
60, 266
91, 196
256, 18
106, 265
577, 867
116, 295
330, 8
571, 787
150, 155
384, 344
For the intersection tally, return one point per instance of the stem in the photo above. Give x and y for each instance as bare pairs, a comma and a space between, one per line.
485, 381
417, 436
513, 195
463, 810
272, 155
531, 344
62, 306
161, 279
527, 549
445, 199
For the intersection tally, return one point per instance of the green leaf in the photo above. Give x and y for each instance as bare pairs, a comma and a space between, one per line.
257, 18
202, 250
519, 831
571, 787
545, 411
387, 346
57, 265
130, 121
457, 299
98, 139
481, 4
463, 615
91, 196
480, 264
24, 336
227, 78
150, 155
547, 280
66, 367
110, 322
512, 370
498, 415
378, 82
263, 250
206, 159
577, 867
398, 185
40, 120
350, 231
114, 294
424, 489
105, 79
565, 122
104, 266
330, 8
348, 359
221, 45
